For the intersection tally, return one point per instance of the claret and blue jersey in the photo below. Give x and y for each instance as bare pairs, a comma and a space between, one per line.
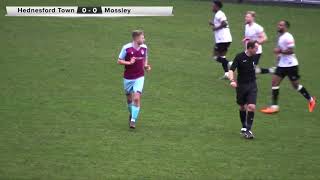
135, 70
134, 73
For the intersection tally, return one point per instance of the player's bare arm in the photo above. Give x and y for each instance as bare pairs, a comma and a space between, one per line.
286, 52
262, 38
224, 24
123, 62
245, 40
147, 66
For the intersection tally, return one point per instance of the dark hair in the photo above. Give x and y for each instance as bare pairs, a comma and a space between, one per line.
218, 3
251, 44
137, 33
286, 23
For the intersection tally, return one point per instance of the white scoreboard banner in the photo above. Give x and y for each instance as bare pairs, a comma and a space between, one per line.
98, 11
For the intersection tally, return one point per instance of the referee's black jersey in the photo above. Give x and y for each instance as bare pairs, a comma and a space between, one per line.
245, 66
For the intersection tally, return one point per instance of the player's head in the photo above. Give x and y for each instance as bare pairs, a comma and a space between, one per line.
252, 47
216, 5
250, 17
283, 26
138, 36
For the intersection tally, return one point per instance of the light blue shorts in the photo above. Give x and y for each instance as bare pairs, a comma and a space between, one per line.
133, 85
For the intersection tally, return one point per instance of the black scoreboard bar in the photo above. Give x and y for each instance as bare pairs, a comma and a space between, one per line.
89, 10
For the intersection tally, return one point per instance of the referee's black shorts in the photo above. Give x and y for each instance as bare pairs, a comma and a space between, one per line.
291, 72
247, 93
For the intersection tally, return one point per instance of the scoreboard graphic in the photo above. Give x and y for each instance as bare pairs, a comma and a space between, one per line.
92, 11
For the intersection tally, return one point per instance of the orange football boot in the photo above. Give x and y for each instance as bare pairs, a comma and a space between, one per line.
312, 104
270, 109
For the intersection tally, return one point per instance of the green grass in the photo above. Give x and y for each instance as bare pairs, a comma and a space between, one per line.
63, 113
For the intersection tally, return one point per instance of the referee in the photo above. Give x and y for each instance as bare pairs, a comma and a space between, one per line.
246, 86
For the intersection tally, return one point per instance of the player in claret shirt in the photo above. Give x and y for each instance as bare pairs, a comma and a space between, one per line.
134, 57
287, 66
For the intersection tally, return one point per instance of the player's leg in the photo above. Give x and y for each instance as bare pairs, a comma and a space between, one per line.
220, 56
135, 108
250, 116
276, 80
137, 91
243, 118
223, 60
300, 88
251, 108
260, 70
129, 104
241, 92
294, 79
128, 88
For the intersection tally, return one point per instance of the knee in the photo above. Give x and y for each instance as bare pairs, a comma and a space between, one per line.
297, 86
136, 99
242, 108
251, 107
274, 83
129, 98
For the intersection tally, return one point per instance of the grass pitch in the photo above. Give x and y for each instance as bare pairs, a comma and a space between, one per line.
63, 114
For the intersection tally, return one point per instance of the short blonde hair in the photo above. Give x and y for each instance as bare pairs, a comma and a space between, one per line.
136, 33
252, 13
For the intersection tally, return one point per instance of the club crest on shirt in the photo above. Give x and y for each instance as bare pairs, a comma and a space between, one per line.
244, 60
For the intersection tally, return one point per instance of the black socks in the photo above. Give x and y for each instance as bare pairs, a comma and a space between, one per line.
224, 63
250, 117
275, 94
243, 118
304, 92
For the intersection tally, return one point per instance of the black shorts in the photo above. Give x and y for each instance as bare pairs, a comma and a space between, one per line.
291, 72
256, 59
222, 47
247, 93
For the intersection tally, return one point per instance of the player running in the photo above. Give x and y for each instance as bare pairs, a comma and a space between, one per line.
287, 66
134, 57
255, 32
246, 86
222, 36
